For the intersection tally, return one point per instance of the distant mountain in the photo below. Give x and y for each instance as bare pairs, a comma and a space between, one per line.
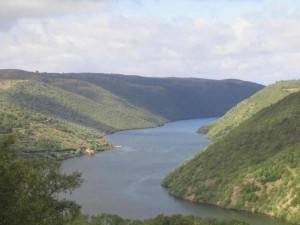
255, 166
247, 108
58, 111
175, 98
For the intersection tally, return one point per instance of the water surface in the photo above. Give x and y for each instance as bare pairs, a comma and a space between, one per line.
126, 181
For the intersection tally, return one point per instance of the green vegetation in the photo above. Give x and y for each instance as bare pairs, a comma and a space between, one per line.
249, 107
59, 114
255, 166
46, 117
178, 219
30, 188
170, 98
175, 98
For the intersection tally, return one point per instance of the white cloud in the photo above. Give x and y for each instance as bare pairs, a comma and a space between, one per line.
262, 50
44, 8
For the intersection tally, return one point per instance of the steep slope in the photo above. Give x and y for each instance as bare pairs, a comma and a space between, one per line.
249, 107
61, 111
175, 98
44, 116
256, 166
171, 98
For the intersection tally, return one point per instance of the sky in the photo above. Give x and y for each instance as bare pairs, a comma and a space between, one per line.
253, 40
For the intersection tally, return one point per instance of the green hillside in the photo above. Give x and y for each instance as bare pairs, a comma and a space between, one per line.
46, 117
249, 107
170, 98
174, 98
255, 166
51, 111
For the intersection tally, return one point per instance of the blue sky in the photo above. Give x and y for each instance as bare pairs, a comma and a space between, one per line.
215, 11
255, 40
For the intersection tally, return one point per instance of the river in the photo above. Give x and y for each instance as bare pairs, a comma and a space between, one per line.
126, 181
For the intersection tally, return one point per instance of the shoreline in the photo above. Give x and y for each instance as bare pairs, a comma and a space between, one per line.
116, 146
237, 213
227, 208
69, 153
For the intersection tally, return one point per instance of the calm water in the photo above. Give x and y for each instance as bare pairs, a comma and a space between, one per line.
126, 181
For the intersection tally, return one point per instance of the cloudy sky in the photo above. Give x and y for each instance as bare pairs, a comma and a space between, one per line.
255, 40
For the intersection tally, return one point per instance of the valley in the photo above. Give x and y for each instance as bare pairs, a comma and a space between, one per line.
252, 159
126, 180
150, 112
62, 114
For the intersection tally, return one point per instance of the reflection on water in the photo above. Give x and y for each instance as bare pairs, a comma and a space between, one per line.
126, 181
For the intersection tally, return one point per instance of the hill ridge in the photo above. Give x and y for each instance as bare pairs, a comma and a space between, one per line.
247, 108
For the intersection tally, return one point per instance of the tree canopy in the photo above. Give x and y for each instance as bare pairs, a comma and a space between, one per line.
30, 188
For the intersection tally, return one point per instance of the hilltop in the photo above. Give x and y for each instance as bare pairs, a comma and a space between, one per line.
51, 111
247, 108
255, 166
171, 98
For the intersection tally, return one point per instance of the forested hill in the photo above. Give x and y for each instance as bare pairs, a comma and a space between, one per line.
171, 98
255, 166
247, 108
59, 111
175, 98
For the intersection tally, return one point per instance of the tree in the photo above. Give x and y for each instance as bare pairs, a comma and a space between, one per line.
30, 187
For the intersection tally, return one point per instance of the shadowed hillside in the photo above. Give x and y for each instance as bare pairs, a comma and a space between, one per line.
171, 98
174, 98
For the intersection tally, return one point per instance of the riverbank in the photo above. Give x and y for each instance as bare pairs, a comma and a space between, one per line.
254, 167
64, 154
284, 222
127, 181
